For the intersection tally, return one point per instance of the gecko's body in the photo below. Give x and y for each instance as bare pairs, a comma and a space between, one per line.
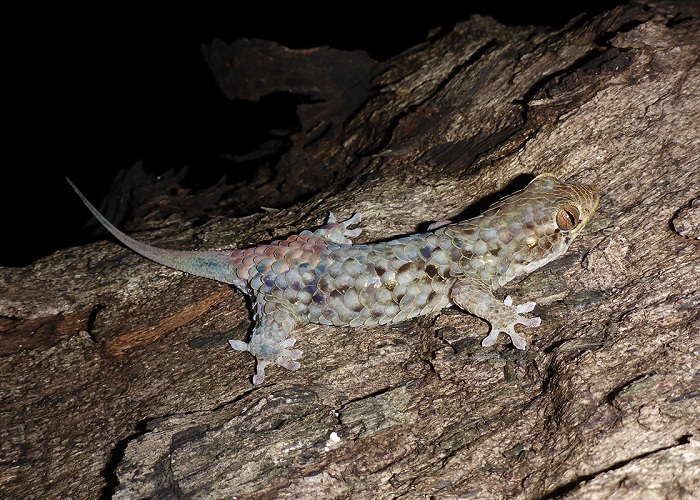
321, 277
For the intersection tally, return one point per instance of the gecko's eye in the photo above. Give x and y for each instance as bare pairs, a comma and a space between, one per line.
568, 218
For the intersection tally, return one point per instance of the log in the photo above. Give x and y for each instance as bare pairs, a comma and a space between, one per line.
116, 375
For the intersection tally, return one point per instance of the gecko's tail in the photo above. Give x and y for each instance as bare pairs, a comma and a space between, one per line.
211, 264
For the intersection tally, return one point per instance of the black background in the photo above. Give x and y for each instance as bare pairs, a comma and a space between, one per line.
92, 91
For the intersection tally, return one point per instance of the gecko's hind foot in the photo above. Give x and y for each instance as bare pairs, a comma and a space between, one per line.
282, 356
286, 359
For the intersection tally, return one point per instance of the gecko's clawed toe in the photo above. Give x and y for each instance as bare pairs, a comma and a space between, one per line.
518, 341
352, 233
289, 364
491, 339
526, 307
355, 219
532, 322
259, 376
239, 345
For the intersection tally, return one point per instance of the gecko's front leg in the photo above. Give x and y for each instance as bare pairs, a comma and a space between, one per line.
269, 342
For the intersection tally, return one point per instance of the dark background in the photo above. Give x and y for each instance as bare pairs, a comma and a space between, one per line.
93, 91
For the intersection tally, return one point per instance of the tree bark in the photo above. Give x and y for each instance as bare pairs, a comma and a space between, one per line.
117, 378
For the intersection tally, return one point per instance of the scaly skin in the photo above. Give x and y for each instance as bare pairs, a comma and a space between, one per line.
321, 277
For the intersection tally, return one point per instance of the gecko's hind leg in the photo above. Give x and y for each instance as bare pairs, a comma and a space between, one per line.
269, 342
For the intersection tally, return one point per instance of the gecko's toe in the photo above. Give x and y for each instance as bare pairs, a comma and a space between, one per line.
531, 322
287, 357
259, 376
526, 307
491, 339
288, 342
352, 233
289, 364
518, 341
355, 219
287, 353
438, 224
239, 345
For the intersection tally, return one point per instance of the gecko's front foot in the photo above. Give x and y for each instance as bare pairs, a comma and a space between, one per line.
506, 321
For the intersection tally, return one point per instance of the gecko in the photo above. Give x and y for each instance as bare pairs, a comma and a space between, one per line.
322, 277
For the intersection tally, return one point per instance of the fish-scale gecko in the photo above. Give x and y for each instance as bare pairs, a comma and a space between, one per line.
322, 277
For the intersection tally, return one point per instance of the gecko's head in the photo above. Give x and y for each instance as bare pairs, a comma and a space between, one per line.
542, 220
564, 208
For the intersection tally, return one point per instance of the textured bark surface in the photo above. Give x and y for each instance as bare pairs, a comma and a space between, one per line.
116, 377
